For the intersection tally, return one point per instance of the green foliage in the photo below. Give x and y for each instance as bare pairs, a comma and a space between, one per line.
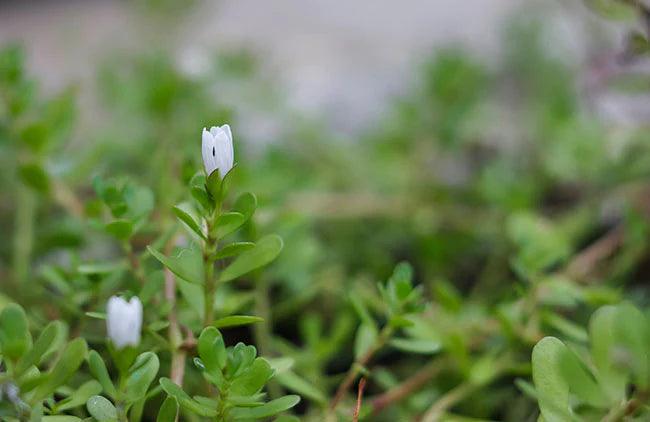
519, 210
238, 375
596, 384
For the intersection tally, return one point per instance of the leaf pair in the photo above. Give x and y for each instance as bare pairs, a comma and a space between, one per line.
188, 263
619, 337
238, 374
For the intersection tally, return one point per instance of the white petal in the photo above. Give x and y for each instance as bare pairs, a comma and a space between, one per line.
230, 154
135, 321
114, 318
226, 128
215, 131
124, 321
222, 151
208, 150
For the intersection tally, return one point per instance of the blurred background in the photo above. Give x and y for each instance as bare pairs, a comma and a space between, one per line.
499, 146
336, 60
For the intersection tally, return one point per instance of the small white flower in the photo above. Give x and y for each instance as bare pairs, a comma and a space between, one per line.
124, 321
217, 150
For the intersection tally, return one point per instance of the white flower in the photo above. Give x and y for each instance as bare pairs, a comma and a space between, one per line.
124, 321
217, 150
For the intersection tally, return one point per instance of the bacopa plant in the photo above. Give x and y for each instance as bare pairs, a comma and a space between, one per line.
35, 371
606, 379
237, 374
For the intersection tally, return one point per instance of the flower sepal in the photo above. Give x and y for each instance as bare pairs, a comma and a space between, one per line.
123, 358
217, 186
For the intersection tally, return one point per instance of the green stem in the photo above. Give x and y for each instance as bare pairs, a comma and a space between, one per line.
210, 286
23, 233
210, 289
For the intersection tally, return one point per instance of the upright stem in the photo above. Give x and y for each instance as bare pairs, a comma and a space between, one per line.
210, 289
210, 286
408, 387
23, 233
177, 371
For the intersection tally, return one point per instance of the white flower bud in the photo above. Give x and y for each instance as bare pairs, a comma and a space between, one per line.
217, 150
124, 321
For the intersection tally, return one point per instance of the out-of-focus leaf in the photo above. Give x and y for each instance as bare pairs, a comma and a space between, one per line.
168, 411
364, 340
15, 338
551, 386
236, 320
34, 176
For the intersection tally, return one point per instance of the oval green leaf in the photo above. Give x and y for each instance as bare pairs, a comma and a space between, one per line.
265, 251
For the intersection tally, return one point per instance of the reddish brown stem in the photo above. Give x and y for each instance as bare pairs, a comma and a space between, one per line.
362, 385
586, 260
357, 365
412, 384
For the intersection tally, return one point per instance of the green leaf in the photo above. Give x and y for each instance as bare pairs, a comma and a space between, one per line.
41, 346
182, 212
121, 229
287, 418
212, 350
36, 413
193, 295
633, 339
214, 185
580, 380
99, 371
139, 201
246, 204
566, 327
233, 249
141, 374
227, 223
66, 366
34, 176
252, 379
61, 418
101, 409
80, 396
15, 338
602, 333
153, 285
364, 340
188, 264
184, 400
201, 196
267, 409
295, 383
235, 320
241, 357
168, 410
551, 386
422, 346
265, 251
101, 267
